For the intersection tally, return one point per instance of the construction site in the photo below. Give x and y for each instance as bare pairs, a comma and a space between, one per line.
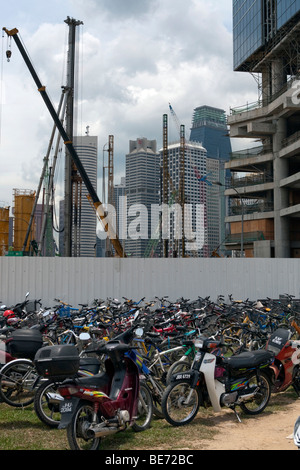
248, 204
32, 231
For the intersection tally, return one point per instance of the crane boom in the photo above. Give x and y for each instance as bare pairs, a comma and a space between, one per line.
91, 190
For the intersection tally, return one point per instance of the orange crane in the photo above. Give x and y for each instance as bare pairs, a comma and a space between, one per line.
93, 195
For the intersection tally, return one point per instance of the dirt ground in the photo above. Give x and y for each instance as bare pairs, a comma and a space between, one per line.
267, 431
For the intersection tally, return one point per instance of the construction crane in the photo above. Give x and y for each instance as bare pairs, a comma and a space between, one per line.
165, 176
110, 189
181, 189
69, 145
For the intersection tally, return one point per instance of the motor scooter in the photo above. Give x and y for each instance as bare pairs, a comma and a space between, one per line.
286, 371
105, 403
218, 381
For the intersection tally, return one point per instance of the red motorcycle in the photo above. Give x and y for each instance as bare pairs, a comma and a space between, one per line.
286, 370
103, 404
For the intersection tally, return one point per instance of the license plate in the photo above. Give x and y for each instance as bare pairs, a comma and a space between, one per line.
66, 406
183, 376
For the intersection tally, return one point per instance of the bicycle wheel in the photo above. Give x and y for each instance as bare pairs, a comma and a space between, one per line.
157, 391
171, 351
145, 409
77, 430
180, 403
262, 395
18, 382
46, 408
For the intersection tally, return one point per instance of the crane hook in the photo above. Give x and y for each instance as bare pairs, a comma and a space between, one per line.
8, 55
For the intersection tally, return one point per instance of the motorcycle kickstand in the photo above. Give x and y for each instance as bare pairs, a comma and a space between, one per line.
236, 413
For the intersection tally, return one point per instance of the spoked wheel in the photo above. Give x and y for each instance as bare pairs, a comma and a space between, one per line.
157, 390
18, 382
145, 409
180, 403
46, 405
77, 430
296, 380
259, 401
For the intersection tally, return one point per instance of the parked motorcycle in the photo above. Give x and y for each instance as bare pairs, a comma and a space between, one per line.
286, 370
101, 405
297, 433
47, 399
18, 377
218, 381
13, 315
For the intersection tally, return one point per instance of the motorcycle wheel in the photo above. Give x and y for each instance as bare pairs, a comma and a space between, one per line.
257, 404
46, 411
77, 429
176, 411
145, 409
296, 380
18, 381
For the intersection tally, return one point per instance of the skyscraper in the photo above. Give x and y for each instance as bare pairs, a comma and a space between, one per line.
209, 126
201, 229
265, 217
87, 150
84, 237
142, 189
194, 196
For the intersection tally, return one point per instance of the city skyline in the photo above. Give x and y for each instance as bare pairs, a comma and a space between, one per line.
125, 88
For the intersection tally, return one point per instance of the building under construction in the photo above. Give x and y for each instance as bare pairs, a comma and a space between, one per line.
265, 219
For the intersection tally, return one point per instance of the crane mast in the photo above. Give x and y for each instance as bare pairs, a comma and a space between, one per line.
69, 146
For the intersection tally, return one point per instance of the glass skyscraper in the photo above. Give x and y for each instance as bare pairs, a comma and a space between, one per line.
209, 127
255, 23
247, 29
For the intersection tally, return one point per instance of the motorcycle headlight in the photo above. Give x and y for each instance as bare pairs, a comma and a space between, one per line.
199, 343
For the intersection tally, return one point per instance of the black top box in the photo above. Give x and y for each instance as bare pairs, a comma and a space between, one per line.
60, 361
24, 343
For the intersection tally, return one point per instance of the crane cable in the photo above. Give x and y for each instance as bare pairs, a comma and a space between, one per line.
1, 84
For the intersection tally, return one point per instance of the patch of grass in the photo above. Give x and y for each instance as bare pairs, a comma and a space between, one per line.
20, 429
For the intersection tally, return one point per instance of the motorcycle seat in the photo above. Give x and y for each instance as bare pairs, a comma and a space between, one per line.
97, 380
249, 359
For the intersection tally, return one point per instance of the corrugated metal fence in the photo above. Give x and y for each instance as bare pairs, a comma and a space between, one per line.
81, 280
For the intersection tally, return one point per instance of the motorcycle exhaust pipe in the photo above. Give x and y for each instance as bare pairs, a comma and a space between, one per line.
8, 383
101, 431
54, 398
246, 397
107, 429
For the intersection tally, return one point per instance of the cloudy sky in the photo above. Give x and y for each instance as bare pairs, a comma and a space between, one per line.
134, 57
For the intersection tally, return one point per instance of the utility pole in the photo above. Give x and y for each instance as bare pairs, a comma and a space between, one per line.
71, 175
110, 188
